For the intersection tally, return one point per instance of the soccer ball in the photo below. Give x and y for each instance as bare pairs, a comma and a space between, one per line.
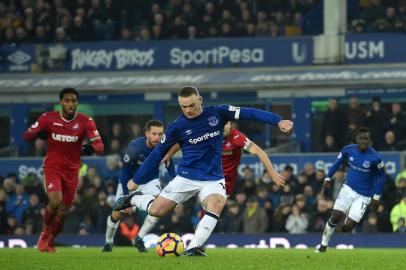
169, 244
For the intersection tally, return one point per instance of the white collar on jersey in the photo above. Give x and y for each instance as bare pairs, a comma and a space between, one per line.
66, 120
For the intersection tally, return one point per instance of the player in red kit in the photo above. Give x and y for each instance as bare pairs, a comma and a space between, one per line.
233, 144
64, 132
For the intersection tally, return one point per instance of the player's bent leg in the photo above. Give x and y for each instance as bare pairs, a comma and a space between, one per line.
160, 206
213, 205
111, 228
55, 200
57, 224
329, 230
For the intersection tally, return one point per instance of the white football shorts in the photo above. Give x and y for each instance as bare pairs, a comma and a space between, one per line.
180, 189
153, 188
351, 203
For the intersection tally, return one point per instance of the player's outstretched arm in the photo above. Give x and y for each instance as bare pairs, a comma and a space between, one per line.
266, 117
167, 158
260, 153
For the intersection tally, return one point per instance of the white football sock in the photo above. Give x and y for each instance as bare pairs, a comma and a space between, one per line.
203, 230
142, 201
111, 229
148, 225
327, 233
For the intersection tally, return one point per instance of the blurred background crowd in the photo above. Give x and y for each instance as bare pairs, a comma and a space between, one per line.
44, 21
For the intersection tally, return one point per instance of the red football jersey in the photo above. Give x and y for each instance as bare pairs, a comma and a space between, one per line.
232, 150
65, 138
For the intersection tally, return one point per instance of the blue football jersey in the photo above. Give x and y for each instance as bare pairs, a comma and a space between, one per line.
365, 174
135, 155
200, 139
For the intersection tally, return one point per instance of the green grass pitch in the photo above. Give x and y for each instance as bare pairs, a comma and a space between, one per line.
219, 258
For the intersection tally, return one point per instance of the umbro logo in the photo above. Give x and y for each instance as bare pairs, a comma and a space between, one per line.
19, 58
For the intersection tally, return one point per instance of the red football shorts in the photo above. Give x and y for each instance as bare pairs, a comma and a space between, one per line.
67, 183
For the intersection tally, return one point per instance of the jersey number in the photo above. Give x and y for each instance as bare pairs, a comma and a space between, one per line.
364, 206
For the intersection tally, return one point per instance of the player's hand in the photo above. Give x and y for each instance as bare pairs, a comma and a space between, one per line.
166, 160
374, 205
87, 149
326, 184
131, 186
285, 126
278, 179
43, 135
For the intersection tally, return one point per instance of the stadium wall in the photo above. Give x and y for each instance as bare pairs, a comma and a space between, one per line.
209, 53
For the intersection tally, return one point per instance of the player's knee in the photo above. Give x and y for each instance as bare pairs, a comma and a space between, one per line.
156, 211
216, 204
55, 203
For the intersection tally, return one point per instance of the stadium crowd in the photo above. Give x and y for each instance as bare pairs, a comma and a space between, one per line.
43, 21
256, 206
380, 16
386, 122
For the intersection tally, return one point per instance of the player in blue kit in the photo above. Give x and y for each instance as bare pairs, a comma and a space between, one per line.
136, 153
199, 132
365, 179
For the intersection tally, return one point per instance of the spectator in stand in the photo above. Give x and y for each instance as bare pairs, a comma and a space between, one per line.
231, 222
398, 212
297, 222
390, 142
320, 216
401, 225
334, 123
330, 144
397, 122
376, 121
310, 172
255, 219
281, 214
12, 224
384, 224
17, 203
356, 117
370, 224
247, 182
373, 12
179, 222
33, 213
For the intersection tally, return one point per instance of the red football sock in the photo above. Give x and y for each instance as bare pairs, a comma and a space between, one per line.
56, 227
48, 218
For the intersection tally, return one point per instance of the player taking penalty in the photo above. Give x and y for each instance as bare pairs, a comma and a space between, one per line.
64, 132
199, 132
